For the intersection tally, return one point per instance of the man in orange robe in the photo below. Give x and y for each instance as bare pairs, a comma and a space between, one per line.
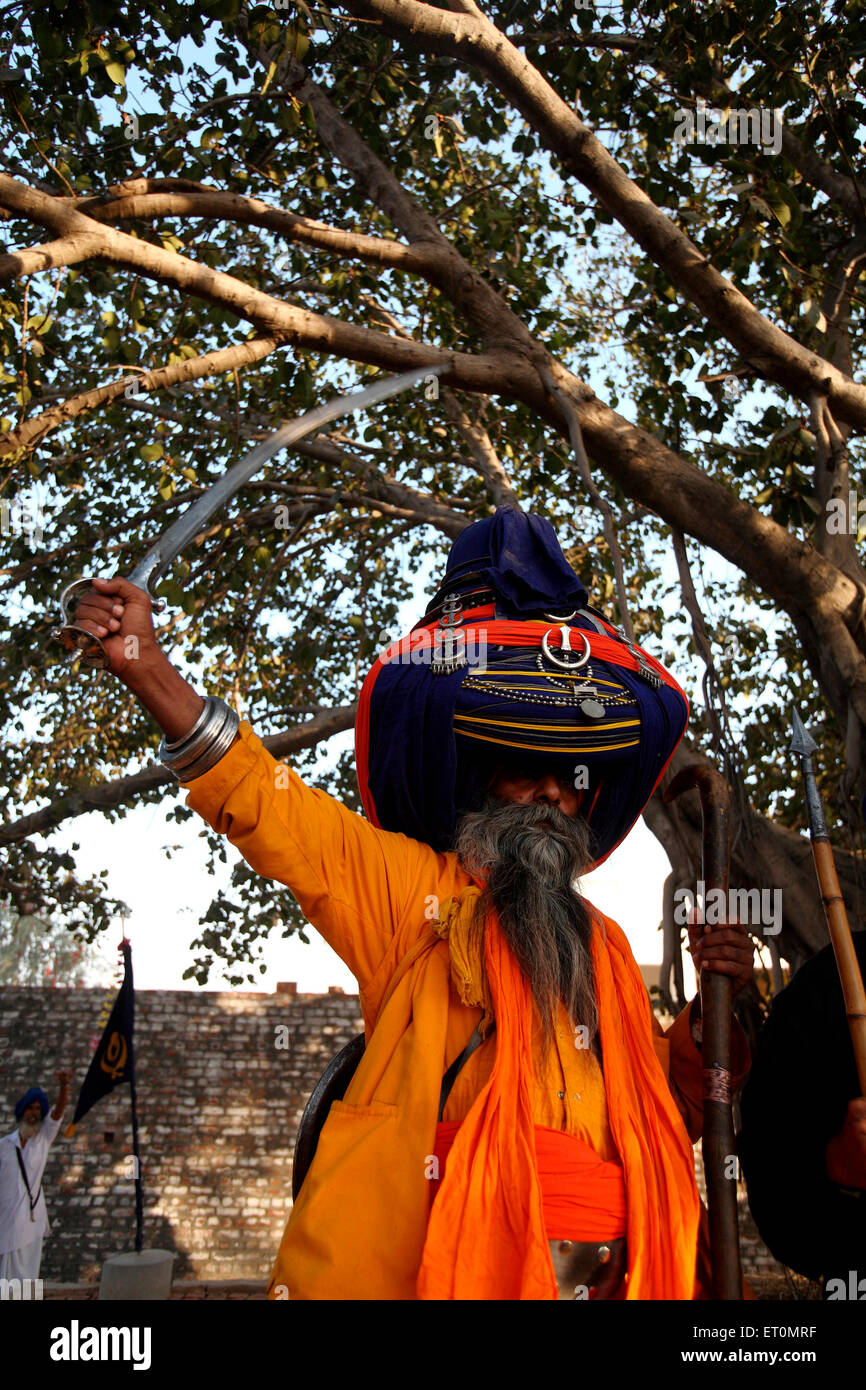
566, 1136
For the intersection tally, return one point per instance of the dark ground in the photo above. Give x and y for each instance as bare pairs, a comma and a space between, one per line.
786, 1288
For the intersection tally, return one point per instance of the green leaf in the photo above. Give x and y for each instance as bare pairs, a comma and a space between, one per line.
117, 73
760, 205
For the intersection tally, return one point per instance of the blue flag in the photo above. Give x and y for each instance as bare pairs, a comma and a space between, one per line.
113, 1061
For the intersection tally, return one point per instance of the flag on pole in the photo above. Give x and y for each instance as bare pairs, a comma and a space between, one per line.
114, 1060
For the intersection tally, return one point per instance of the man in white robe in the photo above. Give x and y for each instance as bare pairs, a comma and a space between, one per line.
23, 1154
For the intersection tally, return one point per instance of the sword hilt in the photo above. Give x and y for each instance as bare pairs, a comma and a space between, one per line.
81, 644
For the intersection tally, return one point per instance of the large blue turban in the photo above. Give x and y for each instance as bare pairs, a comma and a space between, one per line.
545, 683
35, 1093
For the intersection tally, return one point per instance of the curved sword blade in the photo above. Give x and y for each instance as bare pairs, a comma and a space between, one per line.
188, 525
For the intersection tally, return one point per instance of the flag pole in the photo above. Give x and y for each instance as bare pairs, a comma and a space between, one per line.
126, 948
139, 1186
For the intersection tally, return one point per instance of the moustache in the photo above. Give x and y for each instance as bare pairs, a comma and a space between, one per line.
537, 834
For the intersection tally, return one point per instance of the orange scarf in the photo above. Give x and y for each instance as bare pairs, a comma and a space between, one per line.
486, 1237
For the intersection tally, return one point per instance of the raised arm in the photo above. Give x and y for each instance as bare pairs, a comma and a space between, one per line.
358, 885
63, 1079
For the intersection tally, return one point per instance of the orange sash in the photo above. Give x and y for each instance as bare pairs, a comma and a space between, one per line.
583, 1196
486, 1237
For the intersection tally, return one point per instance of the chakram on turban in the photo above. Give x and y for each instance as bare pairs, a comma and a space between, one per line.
35, 1093
510, 664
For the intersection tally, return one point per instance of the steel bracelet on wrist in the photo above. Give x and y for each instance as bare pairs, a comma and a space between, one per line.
178, 743
201, 737
186, 749
206, 743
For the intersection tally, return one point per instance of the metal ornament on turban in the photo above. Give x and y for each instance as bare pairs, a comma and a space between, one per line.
511, 665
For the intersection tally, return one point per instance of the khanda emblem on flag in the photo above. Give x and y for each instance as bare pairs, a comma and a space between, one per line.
113, 1061
114, 1058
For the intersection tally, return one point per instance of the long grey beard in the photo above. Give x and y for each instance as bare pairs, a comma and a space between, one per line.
28, 1129
531, 869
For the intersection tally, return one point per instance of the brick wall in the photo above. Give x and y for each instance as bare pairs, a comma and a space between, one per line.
219, 1103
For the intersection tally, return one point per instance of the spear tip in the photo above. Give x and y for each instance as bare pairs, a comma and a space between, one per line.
801, 741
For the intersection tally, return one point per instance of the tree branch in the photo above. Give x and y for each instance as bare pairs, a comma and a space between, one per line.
477, 42
495, 478
126, 205
104, 796
32, 431
600, 502
643, 467
841, 190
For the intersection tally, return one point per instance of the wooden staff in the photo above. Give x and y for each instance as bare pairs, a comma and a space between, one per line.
834, 904
718, 1145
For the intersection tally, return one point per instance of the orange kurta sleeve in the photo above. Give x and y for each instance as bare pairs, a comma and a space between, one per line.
685, 1066
354, 882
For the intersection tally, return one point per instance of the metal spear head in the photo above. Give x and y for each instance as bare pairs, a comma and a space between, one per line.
802, 742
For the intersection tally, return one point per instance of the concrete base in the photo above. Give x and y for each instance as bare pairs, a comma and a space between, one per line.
131, 1276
